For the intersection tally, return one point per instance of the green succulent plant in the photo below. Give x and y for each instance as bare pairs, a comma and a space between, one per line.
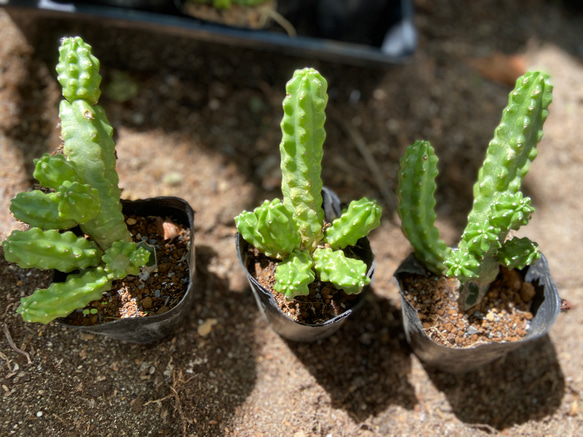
499, 206
294, 229
226, 4
81, 190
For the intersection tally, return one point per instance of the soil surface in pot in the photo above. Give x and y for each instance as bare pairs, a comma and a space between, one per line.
150, 293
502, 316
251, 17
323, 303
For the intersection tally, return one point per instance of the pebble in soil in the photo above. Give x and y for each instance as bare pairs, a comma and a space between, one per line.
502, 316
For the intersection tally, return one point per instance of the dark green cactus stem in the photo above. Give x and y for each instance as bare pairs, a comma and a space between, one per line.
499, 206
513, 147
416, 203
301, 150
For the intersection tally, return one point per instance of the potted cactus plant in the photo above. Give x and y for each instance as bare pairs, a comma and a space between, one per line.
77, 224
455, 300
304, 247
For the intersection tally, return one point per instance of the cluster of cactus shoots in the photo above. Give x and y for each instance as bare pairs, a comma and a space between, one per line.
295, 230
81, 190
499, 206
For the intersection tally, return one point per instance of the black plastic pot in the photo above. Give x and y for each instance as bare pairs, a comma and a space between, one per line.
152, 328
278, 320
360, 32
546, 306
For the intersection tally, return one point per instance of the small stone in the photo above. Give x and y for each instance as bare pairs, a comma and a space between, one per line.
162, 310
147, 302
472, 330
206, 327
527, 291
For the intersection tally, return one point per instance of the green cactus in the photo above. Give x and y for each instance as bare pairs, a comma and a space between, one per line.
83, 191
498, 206
294, 230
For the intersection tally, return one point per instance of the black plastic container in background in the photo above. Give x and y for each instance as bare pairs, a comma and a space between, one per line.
278, 320
546, 306
152, 328
359, 32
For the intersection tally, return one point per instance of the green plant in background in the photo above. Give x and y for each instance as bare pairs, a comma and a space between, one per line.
499, 206
226, 4
81, 189
294, 230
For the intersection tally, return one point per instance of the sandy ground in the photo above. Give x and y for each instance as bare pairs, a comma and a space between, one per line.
204, 126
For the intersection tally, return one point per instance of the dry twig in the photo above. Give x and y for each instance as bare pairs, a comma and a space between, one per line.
382, 185
13, 346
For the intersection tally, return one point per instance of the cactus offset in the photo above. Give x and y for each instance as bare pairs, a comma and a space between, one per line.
498, 206
294, 230
85, 192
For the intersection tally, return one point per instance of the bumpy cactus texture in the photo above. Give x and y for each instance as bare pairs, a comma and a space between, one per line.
416, 205
498, 206
85, 193
294, 230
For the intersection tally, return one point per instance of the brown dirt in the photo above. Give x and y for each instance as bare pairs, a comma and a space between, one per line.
323, 303
156, 293
503, 314
204, 126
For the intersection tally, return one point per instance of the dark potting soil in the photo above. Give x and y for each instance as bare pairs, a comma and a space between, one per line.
147, 294
502, 316
323, 303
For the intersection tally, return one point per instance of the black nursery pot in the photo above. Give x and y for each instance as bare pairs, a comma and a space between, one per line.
546, 306
152, 328
278, 320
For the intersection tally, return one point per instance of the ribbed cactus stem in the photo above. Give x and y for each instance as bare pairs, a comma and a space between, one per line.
293, 230
85, 193
301, 150
498, 206
416, 205
513, 147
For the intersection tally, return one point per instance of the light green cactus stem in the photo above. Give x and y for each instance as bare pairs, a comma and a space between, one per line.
51, 249
277, 240
85, 192
295, 274
301, 150
124, 258
416, 205
499, 206
345, 273
361, 217
295, 230
61, 298
40, 210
